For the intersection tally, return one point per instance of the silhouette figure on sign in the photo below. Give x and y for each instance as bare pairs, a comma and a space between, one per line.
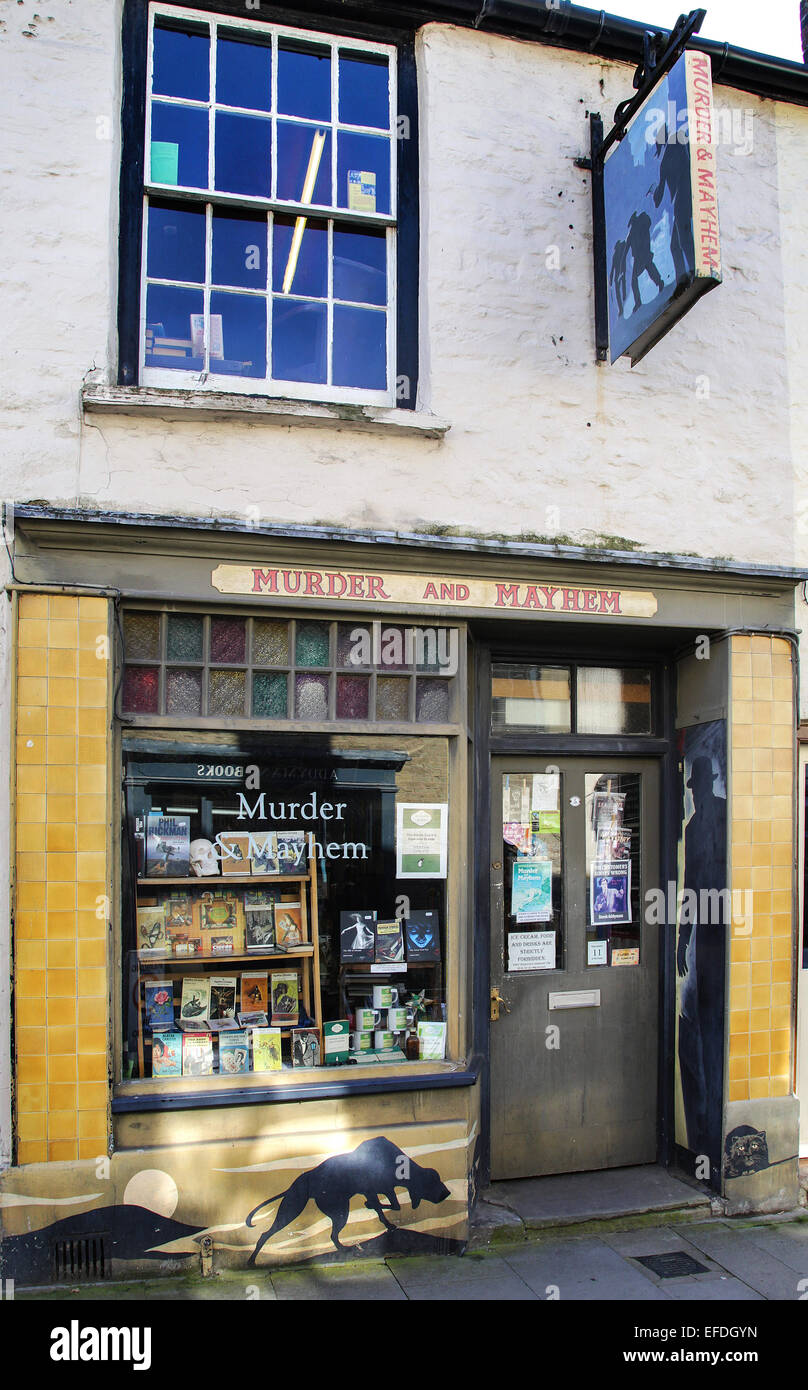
617, 274
639, 244
674, 173
372, 1170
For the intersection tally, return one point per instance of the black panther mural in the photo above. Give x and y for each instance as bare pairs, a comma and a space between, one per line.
374, 1169
701, 944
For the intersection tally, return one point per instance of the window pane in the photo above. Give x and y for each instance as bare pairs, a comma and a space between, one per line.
360, 267
392, 698
243, 154
613, 868
299, 333
269, 696
360, 348
364, 90
181, 64
140, 689
228, 639
238, 326
179, 145
535, 697
311, 697
243, 74
183, 692
354, 644
300, 257
614, 700
270, 645
184, 637
363, 172
432, 702
311, 646
176, 243
141, 635
304, 83
169, 341
304, 163
353, 697
532, 864
226, 692
240, 251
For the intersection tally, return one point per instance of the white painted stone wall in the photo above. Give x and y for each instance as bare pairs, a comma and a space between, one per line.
543, 439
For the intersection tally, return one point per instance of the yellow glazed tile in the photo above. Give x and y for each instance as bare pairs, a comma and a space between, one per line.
60, 837
759, 1043
30, 984
32, 1153
31, 778
32, 661
93, 609
62, 1069
30, 955
64, 607
92, 780
33, 1126
92, 1040
739, 1090
92, 982
93, 1096
30, 896
31, 1039
63, 1151
60, 749
31, 809
758, 1088
31, 719
92, 750
32, 1071
741, 644
34, 605
61, 1040
759, 1066
62, 721
61, 897
92, 1013
61, 634
93, 664
31, 751
62, 690
62, 984
93, 1066
32, 632
92, 691
93, 724
31, 1098
62, 662
28, 1013
91, 953
62, 868
61, 954
30, 838
93, 1124
62, 1124
61, 780
62, 1096
61, 926
92, 838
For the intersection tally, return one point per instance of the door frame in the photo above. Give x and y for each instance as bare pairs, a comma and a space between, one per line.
622, 649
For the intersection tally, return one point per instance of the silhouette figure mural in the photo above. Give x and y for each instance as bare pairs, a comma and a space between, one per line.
701, 941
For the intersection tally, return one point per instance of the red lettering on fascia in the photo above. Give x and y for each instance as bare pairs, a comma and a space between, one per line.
610, 600
531, 599
357, 586
590, 600
461, 592
549, 593
264, 580
569, 598
333, 581
287, 581
431, 591
376, 587
507, 595
314, 582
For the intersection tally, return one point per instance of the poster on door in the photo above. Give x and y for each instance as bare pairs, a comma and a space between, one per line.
609, 891
532, 950
532, 890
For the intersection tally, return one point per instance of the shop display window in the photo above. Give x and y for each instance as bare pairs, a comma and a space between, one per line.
284, 907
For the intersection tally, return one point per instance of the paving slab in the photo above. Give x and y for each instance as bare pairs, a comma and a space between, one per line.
584, 1269
716, 1289
354, 1281
577, 1197
472, 1279
734, 1251
787, 1244
650, 1240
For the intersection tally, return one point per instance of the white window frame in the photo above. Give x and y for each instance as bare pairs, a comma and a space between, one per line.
209, 199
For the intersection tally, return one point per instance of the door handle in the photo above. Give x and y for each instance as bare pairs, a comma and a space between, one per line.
496, 1000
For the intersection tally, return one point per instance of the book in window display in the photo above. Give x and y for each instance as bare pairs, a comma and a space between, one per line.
218, 914
422, 937
167, 1054
159, 1004
265, 855
254, 991
285, 992
389, 943
253, 1018
222, 1006
357, 936
305, 1047
288, 926
197, 1054
168, 846
234, 1053
195, 1001
291, 850
235, 852
259, 927
266, 1045
151, 932
179, 923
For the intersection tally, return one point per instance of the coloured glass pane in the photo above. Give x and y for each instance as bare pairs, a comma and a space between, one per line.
300, 257
141, 635
392, 698
432, 702
364, 90
369, 156
243, 73
270, 642
353, 697
184, 637
181, 65
173, 328
243, 154
396, 648
354, 644
311, 697
360, 266
139, 693
299, 339
176, 243
228, 639
304, 82
183, 692
360, 348
311, 647
269, 695
226, 692
304, 163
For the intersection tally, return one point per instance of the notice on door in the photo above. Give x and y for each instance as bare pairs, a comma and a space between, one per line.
532, 950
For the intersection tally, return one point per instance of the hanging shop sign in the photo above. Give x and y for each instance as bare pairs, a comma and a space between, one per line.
657, 242
429, 590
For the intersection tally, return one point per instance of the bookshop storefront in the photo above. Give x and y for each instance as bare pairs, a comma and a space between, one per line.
346, 876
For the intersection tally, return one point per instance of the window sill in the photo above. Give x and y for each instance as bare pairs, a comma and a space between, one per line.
211, 405
330, 1084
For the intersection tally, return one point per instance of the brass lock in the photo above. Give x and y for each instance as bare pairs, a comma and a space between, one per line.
496, 1000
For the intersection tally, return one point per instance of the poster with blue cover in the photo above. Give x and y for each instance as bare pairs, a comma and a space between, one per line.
659, 184
532, 890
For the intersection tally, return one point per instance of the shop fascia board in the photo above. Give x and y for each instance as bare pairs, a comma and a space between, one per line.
137, 401
210, 538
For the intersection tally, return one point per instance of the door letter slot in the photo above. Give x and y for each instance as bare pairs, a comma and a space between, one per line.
575, 999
